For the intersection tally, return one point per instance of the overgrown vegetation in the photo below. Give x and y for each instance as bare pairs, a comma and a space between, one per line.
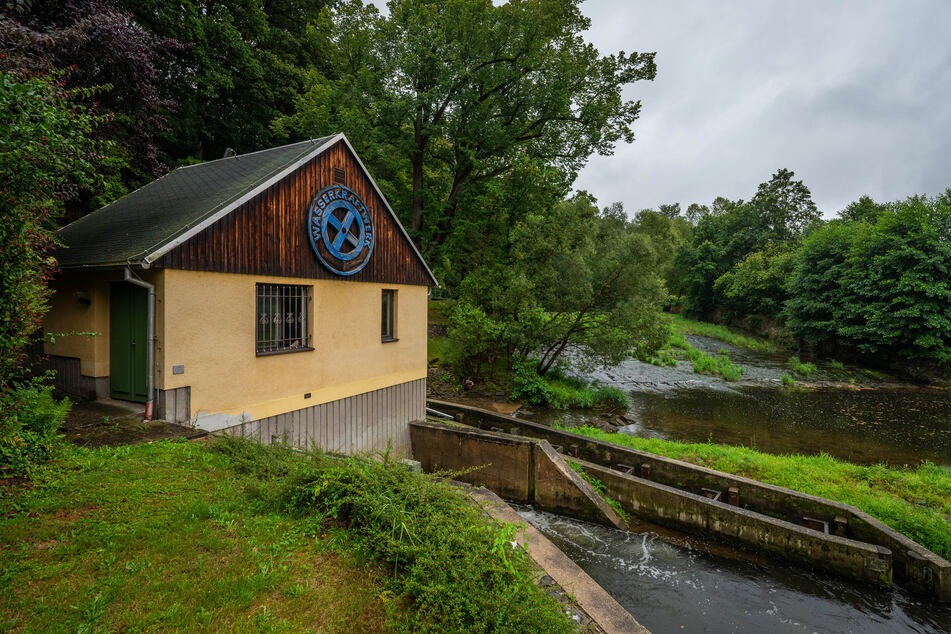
915, 501
704, 363
560, 390
685, 326
458, 570
598, 486
800, 368
174, 536
29, 420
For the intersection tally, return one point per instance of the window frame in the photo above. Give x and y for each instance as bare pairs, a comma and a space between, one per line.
278, 292
391, 322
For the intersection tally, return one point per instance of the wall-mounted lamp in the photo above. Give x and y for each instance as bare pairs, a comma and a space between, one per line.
82, 298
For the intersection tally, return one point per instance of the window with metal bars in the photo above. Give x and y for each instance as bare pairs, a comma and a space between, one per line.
281, 318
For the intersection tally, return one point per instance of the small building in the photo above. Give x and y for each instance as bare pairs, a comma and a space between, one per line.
272, 294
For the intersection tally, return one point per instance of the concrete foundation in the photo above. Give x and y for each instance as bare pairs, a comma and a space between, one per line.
915, 567
518, 469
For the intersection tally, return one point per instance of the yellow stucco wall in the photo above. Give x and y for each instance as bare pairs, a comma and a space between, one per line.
207, 324
82, 330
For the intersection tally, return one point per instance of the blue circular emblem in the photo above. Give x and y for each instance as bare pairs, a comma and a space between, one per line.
341, 230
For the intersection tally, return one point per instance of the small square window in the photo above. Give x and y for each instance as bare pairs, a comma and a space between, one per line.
281, 318
388, 316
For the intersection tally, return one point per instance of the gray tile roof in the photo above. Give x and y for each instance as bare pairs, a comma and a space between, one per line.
143, 222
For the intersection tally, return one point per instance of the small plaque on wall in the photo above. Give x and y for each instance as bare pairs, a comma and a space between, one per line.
178, 369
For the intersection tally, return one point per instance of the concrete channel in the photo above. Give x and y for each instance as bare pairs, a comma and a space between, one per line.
780, 522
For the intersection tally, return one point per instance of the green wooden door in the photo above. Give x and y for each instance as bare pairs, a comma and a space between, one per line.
128, 345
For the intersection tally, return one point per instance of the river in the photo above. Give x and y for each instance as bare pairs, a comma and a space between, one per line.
671, 588
849, 413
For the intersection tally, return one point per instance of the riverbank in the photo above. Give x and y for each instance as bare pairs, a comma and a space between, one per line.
914, 501
241, 537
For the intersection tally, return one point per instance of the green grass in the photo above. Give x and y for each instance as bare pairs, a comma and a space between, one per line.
162, 536
916, 502
704, 363
787, 380
836, 365
800, 368
684, 326
173, 536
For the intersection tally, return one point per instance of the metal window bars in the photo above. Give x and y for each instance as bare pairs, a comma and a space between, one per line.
281, 318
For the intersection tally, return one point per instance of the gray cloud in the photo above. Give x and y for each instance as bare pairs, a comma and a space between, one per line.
854, 96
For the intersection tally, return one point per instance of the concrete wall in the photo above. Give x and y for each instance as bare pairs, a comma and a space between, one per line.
915, 566
208, 327
692, 513
514, 468
361, 423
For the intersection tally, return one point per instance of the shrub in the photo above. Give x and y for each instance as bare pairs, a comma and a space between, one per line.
528, 387
836, 365
803, 369
787, 380
609, 396
459, 570
29, 420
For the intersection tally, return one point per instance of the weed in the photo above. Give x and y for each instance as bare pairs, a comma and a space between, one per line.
787, 380
681, 325
836, 365
803, 369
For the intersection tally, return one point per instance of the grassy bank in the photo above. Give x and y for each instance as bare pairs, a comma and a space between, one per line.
916, 502
176, 536
681, 325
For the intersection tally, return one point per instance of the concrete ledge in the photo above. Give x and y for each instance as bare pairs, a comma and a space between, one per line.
600, 606
692, 513
915, 566
519, 469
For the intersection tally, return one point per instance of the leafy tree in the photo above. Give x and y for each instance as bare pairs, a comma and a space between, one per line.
467, 91
815, 284
103, 46
590, 286
862, 209
242, 65
784, 207
757, 284
897, 289
45, 152
665, 234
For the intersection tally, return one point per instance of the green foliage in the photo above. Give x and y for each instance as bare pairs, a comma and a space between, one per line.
837, 365
590, 285
599, 487
684, 326
787, 380
528, 387
560, 390
458, 570
44, 160
779, 214
916, 502
800, 368
704, 363
29, 420
756, 285
881, 288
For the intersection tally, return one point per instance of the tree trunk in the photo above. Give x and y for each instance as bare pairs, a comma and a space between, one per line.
416, 160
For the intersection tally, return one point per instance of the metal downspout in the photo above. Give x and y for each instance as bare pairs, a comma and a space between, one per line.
150, 337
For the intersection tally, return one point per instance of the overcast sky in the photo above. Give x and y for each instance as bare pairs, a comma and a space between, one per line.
852, 95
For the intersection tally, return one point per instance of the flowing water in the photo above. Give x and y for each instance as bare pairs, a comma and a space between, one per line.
670, 588
848, 413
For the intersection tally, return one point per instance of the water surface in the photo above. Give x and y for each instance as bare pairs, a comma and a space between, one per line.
671, 588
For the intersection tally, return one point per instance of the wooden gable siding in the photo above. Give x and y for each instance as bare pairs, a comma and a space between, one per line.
268, 234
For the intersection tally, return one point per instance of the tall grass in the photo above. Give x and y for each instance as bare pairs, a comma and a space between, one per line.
704, 363
800, 368
684, 326
913, 501
457, 568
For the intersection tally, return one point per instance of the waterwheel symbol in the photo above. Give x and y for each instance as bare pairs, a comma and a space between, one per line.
343, 232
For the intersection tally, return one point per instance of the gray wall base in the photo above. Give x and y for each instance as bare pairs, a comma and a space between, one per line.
369, 422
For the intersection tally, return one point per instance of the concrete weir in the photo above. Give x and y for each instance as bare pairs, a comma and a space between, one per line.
777, 521
518, 469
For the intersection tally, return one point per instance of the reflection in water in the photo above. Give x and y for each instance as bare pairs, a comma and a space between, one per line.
670, 588
898, 426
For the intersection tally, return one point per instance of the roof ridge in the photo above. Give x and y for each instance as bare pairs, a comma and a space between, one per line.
237, 156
